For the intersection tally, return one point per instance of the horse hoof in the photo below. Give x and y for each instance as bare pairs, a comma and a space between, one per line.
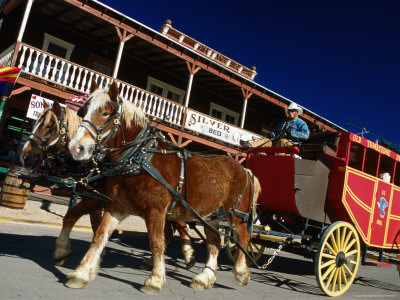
76, 283
198, 285
150, 289
243, 279
61, 260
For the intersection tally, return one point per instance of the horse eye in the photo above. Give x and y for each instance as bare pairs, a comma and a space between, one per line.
105, 114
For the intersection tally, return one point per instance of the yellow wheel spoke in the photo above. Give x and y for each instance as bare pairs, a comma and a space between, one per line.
348, 270
344, 276
339, 273
353, 262
334, 280
349, 245
331, 249
355, 251
327, 272
333, 241
328, 263
333, 275
338, 239
326, 255
348, 237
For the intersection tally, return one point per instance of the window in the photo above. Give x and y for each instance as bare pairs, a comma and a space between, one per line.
223, 113
57, 46
100, 64
101, 68
165, 90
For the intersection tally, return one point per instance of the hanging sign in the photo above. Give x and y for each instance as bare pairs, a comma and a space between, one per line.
36, 106
214, 128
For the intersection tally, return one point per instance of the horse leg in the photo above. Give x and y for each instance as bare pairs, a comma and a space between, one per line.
207, 278
186, 245
155, 229
90, 264
240, 269
147, 264
63, 246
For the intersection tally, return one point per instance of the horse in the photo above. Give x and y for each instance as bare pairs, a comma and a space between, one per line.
51, 132
159, 181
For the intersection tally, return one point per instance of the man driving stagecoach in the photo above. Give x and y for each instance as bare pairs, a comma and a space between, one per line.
288, 132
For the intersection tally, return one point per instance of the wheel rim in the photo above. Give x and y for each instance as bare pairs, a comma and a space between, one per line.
337, 259
255, 251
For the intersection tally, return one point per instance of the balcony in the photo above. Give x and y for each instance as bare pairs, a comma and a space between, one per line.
68, 76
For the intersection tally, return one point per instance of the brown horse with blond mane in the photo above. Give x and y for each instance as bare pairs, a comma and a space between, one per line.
159, 180
51, 133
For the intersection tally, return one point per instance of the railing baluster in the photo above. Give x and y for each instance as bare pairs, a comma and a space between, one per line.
84, 82
67, 74
54, 69
22, 59
61, 72
71, 83
48, 67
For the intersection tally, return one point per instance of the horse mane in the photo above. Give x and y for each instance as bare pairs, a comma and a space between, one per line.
73, 122
130, 112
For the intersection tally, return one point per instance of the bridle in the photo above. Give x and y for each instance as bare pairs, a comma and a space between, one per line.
43, 142
97, 132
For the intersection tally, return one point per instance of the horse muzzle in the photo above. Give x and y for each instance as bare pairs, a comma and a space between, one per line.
81, 151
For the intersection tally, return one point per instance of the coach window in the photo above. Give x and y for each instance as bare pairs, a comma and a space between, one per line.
356, 156
397, 174
371, 162
386, 165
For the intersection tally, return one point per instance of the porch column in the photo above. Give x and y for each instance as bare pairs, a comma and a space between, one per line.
192, 70
123, 37
24, 20
246, 94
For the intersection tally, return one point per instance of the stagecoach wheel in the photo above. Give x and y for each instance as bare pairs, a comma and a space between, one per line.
337, 259
255, 251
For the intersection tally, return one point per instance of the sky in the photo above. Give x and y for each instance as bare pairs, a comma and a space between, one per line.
337, 58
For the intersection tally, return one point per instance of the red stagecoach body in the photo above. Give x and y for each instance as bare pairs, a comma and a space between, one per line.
336, 180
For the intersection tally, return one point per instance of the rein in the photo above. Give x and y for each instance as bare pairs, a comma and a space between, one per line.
136, 158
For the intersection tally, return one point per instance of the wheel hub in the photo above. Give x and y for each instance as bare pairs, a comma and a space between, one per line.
340, 259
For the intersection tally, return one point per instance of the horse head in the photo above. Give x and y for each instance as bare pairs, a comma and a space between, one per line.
48, 136
108, 122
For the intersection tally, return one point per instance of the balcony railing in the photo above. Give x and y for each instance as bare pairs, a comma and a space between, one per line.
71, 76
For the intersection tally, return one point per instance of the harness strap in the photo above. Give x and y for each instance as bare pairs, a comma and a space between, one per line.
153, 172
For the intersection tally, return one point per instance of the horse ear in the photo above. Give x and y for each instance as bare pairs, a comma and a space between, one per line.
113, 91
93, 86
56, 108
45, 105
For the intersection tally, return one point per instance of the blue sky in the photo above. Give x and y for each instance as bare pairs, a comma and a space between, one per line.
339, 59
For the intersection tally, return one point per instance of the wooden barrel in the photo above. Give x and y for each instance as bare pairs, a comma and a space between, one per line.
14, 192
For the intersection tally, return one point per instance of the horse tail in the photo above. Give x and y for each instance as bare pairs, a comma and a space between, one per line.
256, 187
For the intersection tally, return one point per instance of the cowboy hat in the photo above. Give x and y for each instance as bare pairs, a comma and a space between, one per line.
294, 106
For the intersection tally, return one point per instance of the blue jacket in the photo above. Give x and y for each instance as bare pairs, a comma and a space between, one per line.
297, 131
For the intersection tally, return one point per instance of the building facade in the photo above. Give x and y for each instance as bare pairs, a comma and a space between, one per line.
211, 100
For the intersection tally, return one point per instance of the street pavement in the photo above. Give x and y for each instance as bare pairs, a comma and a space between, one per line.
27, 271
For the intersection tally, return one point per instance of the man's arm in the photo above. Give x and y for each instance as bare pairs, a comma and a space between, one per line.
300, 131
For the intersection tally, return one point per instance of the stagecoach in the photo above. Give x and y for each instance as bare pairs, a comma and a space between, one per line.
330, 205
